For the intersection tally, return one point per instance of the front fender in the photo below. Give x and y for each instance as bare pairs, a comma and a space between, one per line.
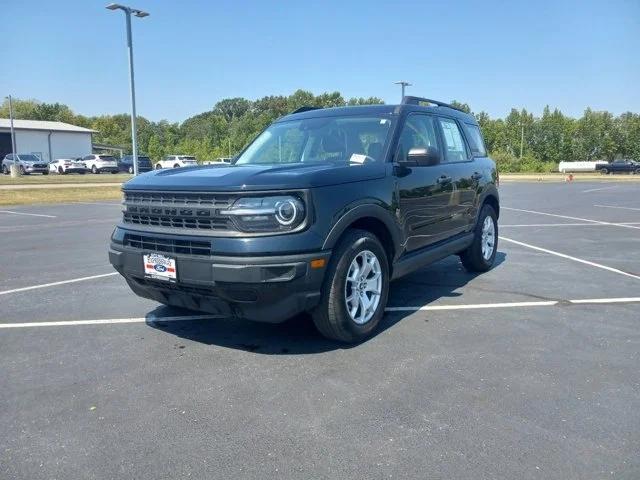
360, 212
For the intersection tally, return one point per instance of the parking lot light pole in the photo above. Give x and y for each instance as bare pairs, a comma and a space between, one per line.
140, 14
13, 168
403, 84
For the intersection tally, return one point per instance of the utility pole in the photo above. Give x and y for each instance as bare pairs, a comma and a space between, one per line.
403, 84
13, 168
521, 139
140, 14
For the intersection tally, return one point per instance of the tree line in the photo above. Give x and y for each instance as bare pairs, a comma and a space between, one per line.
520, 142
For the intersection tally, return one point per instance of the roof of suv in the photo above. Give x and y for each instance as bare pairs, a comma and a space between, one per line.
377, 110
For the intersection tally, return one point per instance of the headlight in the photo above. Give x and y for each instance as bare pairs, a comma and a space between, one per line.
267, 214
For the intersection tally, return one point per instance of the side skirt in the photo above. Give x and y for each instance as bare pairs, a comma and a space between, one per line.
415, 260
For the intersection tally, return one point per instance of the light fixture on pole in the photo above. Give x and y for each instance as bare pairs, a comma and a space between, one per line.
128, 11
403, 84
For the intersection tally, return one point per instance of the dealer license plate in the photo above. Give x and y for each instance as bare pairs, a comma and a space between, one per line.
160, 267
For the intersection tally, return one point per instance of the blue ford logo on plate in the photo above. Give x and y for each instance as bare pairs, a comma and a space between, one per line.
160, 268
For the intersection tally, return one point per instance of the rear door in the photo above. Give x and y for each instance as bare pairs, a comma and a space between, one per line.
464, 171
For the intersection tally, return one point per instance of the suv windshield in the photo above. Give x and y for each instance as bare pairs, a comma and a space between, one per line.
28, 158
351, 139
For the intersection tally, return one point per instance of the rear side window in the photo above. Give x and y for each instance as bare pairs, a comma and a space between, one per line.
455, 149
475, 140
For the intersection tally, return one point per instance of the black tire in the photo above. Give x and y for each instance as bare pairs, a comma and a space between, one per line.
176, 166
46, 173
472, 258
114, 172
60, 170
5, 170
604, 171
158, 166
637, 171
94, 170
331, 316
22, 170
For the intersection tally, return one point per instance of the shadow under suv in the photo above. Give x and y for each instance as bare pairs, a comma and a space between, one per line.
319, 213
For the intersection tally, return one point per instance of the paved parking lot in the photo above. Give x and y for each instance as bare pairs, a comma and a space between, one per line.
528, 371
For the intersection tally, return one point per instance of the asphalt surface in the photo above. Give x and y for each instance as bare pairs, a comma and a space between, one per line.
548, 389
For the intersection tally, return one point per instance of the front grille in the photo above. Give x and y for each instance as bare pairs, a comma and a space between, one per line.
39, 165
167, 245
195, 211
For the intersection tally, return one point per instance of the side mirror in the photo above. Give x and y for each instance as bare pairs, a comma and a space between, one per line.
424, 157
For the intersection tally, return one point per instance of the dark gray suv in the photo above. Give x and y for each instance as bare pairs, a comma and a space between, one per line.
319, 213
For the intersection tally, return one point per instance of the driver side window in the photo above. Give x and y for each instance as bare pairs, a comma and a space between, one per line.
418, 132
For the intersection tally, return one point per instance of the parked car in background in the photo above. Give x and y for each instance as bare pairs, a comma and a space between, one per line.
175, 161
26, 162
126, 164
620, 165
67, 165
100, 163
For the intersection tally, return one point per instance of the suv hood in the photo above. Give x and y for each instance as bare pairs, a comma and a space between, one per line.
255, 177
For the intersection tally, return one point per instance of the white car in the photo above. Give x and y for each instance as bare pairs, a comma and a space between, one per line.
175, 161
67, 165
100, 163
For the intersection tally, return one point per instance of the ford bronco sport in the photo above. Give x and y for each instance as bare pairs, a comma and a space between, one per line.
319, 213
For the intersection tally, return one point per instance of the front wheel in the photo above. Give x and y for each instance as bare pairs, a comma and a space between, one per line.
604, 171
94, 170
158, 166
5, 170
131, 170
355, 289
481, 254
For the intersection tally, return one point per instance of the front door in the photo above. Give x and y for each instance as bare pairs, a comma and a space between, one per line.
425, 193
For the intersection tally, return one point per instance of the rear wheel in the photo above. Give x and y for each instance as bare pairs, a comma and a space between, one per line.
355, 289
637, 171
158, 166
481, 254
60, 170
46, 172
94, 170
131, 170
604, 171
176, 166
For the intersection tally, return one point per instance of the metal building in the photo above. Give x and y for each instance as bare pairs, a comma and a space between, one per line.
48, 140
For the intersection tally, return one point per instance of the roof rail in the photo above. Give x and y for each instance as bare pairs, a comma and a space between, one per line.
305, 108
408, 100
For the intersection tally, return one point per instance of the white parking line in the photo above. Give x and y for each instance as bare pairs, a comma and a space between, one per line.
545, 303
625, 225
53, 284
28, 214
563, 224
615, 206
472, 306
569, 257
598, 189
66, 323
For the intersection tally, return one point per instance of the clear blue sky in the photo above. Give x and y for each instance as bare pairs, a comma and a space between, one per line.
190, 54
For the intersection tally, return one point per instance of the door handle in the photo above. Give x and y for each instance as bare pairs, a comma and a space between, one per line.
476, 176
443, 179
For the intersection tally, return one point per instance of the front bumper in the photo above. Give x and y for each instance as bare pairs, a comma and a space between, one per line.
263, 288
29, 169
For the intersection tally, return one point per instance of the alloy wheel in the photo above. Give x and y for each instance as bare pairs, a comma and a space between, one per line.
363, 287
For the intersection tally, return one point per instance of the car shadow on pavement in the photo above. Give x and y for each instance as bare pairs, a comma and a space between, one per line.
298, 335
